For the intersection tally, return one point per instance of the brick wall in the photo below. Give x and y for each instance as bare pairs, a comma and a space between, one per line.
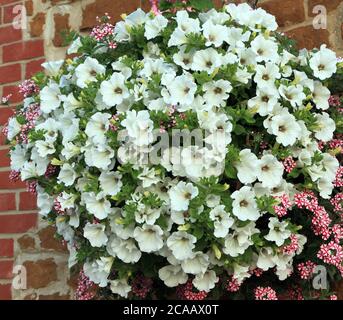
24, 240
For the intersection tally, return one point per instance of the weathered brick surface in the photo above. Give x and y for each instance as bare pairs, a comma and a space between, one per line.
40, 273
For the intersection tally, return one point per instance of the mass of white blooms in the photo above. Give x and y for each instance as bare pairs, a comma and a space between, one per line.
165, 154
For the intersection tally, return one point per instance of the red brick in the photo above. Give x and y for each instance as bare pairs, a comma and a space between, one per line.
9, 34
6, 248
114, 8
2, 139
17, 223
23, 50
10, 73
308, 37
40, 273
27, 201
61, 24
5, 113
37, 24
16, 96
6, 269
7, 201
4, 161
3, 2
33, 67
5, 183
29, 7
287, 12
5, 290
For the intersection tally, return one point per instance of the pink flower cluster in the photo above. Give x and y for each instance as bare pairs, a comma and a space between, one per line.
320, 220
331, 253
306, 269
104, 32
337, 202
186, 292
292, 247
232, 285
281, 209
141, 286
334, 101
28, 88
265, 293
84, 286
289, 164
339, 178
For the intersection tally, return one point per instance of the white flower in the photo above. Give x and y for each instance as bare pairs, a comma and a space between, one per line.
198, 263
66, 200
278, 231
147, 215
325, 127
293, 94
183, 58
120, 287
244, 204
52, 68
148, 177
181, 244
18, 157
286, 128
215, 34
139, 127
241, 272
45, 148
264, 102
172, 276
50, 97
67, 175
125, 250
182, 90
265, 259
110, 182
323, 63
99, 157
74, 47
97, 204
149, 238
217, 92
86, 72
321, 95
236, 38
181, 194
265, 49
99, 270
247, 166
114, 90
154, 26
271, 171
69, 127
266, 75
95, 233
13, 128
205, 281
44, 202
97, 126
206, 60
222, 221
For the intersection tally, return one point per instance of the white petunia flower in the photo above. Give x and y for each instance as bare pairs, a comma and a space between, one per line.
149, 238
97, 126
120, 287
182, 90
50, 97
184, 59
13, 128
97, 204
294, 94
181, 194
215, 34
139, 127
325, 127
181, 244
18, 157
206, 60
270, 172
125, 250
205, 281
52, 68
154, 26
99, 270
323, 63
110, 182
86, 72
244, 204
278, 231
198, 263
114, 90
172, 275
247, 166
67, 175
265, 49
45, 148
95, 233
217, 92
321, 95
222, 221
